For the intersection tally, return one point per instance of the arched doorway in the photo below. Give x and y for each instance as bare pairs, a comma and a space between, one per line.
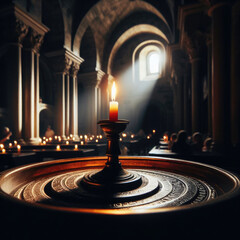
46, 119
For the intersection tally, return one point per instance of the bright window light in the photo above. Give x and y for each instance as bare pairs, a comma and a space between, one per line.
153, 62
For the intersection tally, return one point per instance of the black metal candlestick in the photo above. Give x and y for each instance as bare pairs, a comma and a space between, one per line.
112, 177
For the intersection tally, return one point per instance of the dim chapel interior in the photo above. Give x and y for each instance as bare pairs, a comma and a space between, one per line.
175, 64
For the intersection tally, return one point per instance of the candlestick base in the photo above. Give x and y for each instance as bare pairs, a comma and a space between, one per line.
112, 178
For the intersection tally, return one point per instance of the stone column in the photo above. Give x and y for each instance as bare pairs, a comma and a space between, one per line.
104, 95
60, 104
209, 81
186, 101
14, 77
65, 65
91, 83
74, 100
235, 77
37, 96
196, 94
192, 45
67, 104
62, 96
221, 27
32, 44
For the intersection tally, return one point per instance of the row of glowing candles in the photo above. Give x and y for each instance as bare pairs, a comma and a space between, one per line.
10, 145
83, 140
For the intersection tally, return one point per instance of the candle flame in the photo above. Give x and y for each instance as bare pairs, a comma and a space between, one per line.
114, 91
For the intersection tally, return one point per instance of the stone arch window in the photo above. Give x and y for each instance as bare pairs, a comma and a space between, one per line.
151, 63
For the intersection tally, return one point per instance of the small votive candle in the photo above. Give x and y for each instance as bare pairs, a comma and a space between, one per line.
15, 143
154, 131
1, 146
82, 142
58, 148
19, 148
76, 147
124, 134
3, 150
67, 142
10, 145
96, 140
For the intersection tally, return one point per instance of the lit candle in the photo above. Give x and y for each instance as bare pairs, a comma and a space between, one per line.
10, 145
82, 143
113, 110
3, 150
19, 148
76, 147
124, 134
15, 142
58, 148
67, 142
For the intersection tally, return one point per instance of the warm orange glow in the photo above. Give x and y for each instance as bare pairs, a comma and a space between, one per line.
1, 146
19, 148
154, 131
3, 150
10, 145
82, 143
113, 110
165, 138
58, 148
67, 142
